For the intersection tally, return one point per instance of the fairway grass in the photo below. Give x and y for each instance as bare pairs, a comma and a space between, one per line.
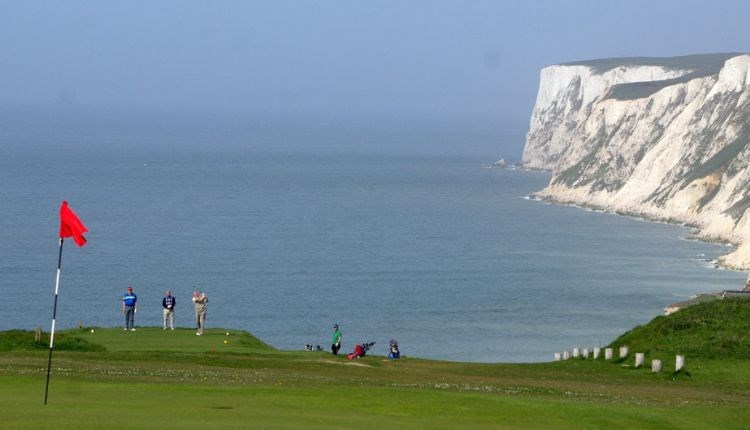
173, 379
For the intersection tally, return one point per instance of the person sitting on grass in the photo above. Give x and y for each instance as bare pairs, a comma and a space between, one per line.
394, 352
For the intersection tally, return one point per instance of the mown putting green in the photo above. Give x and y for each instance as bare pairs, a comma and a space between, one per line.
174, 379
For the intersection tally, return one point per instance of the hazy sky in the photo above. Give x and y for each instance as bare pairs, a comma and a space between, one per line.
476, 60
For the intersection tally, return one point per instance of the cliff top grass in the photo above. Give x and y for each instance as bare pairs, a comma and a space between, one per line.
696, 66
715, 329
702, 62
153, 378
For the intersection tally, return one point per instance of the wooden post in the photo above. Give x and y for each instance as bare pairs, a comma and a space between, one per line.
597, 352
607, 353
558, 356
38, 334
623, 351
576, 352
639, 359
655, 366
679, 363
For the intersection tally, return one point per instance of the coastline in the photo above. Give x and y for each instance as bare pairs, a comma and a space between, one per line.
694, 234
638, 140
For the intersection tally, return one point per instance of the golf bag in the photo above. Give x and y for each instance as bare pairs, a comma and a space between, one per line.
360, 350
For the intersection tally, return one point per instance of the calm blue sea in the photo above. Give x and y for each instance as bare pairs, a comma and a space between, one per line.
290, 228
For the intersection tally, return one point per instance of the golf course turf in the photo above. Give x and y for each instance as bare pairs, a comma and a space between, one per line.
153, 378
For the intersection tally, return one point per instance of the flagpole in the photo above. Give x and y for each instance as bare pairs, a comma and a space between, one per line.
54, 314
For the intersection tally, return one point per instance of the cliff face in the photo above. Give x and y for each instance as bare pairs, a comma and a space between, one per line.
664, 138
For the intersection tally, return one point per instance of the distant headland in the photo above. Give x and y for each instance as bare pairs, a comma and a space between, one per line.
660, 138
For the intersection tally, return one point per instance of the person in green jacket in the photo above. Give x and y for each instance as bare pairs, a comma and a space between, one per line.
336, 340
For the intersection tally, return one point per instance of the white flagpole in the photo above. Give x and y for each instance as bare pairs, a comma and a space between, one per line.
54, 314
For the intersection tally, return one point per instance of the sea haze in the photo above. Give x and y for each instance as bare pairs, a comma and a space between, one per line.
289, 228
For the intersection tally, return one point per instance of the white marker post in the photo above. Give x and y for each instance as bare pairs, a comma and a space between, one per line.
679, 363
623, 351
639, 358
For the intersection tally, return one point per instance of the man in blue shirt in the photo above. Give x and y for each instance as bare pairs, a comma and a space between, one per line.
129, 307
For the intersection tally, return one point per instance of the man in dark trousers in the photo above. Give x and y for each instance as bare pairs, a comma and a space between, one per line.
336, 340
129, 308
168, 303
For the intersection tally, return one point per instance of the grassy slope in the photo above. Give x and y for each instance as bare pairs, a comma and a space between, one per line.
702, 62
717, 329
700, 66
152, 378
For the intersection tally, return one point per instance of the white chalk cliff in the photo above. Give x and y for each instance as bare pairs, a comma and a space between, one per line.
662, 138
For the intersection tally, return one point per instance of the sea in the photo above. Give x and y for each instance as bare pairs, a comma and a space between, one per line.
392, 232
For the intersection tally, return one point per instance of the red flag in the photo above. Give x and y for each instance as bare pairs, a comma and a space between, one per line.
71, 225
